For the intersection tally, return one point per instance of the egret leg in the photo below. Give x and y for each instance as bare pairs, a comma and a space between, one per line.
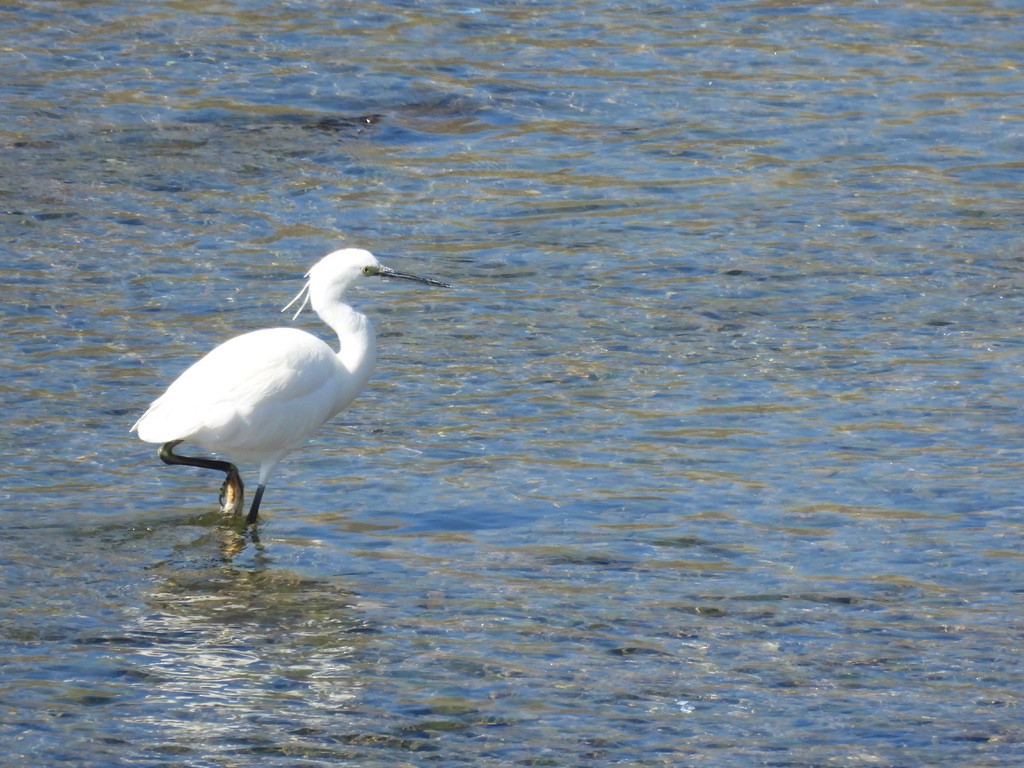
232, 492
254, 511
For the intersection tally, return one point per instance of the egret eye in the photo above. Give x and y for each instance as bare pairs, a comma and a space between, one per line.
367, 270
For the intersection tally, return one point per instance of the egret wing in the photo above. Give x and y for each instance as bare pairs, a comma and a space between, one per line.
260, 388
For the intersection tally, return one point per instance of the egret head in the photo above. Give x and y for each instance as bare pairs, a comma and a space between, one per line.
338, 270
330, 277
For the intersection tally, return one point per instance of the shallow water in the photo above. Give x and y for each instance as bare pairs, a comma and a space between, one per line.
711, 457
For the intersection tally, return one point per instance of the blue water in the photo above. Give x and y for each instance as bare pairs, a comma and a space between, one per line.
711, 456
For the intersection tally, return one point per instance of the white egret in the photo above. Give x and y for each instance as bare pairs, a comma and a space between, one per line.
262, 394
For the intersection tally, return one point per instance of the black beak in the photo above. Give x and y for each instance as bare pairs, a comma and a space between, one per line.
387, 272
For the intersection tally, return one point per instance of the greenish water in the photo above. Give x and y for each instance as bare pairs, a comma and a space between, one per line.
711, 457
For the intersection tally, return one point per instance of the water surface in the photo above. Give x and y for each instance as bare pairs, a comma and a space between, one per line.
711, 457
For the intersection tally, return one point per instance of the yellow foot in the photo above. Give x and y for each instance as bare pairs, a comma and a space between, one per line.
232, 493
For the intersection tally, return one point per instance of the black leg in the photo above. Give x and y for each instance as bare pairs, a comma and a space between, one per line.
231, 493
255, 510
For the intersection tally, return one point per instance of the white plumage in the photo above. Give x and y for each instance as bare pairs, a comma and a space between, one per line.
260, 395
